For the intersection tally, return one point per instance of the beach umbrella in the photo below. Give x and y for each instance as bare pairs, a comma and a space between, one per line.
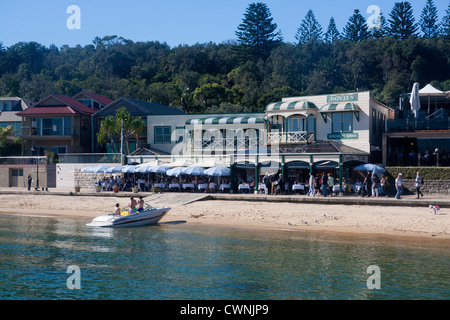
175, 172
217, 171
99, 169
414, 100
370, 167
128, 169
159, 169
144, 169
87, 169
195, 170
114, 169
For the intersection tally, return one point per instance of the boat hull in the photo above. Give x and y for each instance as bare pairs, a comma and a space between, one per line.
144, 218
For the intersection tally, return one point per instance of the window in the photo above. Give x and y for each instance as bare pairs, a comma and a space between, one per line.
162, 135
58, 150
342, 122
17, 172
51, 126
295, 124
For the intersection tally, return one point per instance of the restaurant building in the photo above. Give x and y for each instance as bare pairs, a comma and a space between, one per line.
295, 136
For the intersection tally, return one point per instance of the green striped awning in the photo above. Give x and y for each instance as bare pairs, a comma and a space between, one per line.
340, 107
225, 121
293, 105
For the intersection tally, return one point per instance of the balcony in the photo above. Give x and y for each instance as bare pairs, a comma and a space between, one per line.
49, 133
411, 124
290, 137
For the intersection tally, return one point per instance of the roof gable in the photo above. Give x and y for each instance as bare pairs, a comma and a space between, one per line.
97, 97
57, 104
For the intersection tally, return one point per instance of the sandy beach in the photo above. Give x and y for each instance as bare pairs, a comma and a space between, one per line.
358, 219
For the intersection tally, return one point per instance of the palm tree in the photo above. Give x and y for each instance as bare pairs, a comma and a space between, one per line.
108, 131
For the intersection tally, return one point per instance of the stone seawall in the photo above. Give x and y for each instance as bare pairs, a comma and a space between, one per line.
438, 187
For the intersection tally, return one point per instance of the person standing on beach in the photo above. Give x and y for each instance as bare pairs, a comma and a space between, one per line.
399, 186
368, 183
419, 184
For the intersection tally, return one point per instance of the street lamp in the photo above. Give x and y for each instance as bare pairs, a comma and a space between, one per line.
37, 167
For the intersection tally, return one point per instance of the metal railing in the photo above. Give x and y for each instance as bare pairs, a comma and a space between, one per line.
413, 124
290, 137
89, 158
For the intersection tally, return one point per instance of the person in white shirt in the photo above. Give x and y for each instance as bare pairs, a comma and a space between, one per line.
399, 186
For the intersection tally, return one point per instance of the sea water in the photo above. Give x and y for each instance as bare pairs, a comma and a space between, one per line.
61, 258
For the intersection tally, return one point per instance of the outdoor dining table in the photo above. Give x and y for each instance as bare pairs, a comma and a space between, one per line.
298, 187
188, 185
202, 186
224, 186
243, 187
262, 187
159, 185
174, 185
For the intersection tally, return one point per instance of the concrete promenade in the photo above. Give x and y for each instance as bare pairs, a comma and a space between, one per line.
171, 198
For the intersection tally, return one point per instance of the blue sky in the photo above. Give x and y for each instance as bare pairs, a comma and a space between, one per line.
172, 21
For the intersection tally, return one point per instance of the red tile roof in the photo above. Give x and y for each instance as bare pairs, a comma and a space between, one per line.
71, 106
39, 111
98, 97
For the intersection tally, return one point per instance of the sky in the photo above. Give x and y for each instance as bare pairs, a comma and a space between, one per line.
174, 22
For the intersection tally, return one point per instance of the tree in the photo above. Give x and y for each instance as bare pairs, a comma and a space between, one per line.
429, 20
380, 30
446, 24
309, 30
108, 131
5, 133
332, 35
356, 28
256, 33
402, 21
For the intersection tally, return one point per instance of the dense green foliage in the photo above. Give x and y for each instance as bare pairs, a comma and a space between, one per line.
427, 173
241, 75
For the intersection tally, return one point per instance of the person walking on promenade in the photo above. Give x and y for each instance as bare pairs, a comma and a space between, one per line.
382, 185
399, 186
311, 185
29, 181
375, 183
324, 184
419, 184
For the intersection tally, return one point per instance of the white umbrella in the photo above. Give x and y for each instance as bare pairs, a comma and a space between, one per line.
99, 169
114, 169
178, 171
144, 169
87, 169
414, 100
159, 169
128, 169
217, 171
195, 170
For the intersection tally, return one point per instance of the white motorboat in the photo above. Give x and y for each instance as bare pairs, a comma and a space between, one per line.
149, 216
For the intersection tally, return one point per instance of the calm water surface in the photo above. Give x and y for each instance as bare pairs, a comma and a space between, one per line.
183, 261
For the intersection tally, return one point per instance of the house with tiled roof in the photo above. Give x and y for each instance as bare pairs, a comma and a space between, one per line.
59, 124
136, 108
9, 106
93, 100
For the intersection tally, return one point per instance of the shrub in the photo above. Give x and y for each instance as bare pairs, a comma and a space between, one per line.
427, 173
